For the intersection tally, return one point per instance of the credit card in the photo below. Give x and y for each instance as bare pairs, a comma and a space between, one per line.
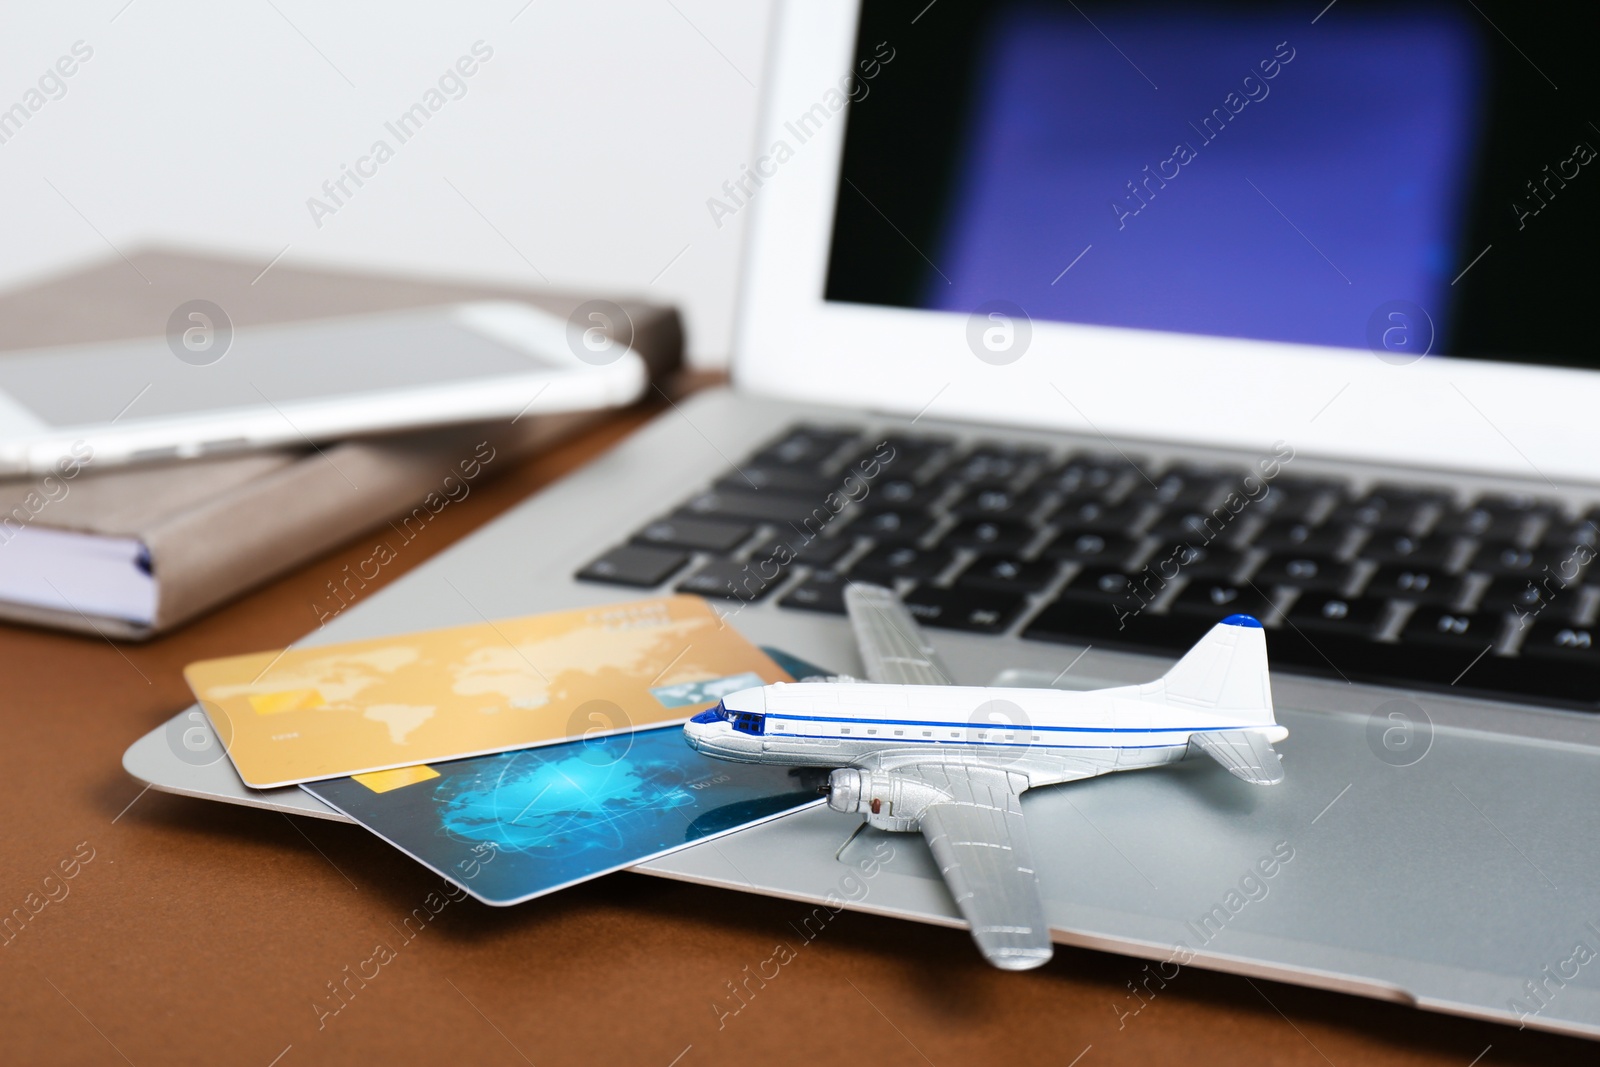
514, 826
337, 710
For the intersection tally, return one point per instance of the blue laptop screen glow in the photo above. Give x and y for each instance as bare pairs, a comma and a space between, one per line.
1202, 175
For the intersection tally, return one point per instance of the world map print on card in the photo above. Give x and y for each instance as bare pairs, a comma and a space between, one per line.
337, 710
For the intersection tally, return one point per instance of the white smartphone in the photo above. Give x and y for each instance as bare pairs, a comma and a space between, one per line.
208, 388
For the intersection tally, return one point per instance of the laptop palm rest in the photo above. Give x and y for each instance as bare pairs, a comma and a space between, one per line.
1361, 873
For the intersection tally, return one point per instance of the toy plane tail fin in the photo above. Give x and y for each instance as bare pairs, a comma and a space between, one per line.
1225, 671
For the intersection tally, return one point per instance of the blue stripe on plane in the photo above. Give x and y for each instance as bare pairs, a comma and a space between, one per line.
987, 744
781, 716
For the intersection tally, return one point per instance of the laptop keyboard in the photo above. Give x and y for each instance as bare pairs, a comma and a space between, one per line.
1400, 584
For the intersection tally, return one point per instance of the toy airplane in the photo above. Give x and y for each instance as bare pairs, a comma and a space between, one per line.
917, 753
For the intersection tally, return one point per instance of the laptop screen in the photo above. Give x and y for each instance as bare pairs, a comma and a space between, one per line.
1401, 177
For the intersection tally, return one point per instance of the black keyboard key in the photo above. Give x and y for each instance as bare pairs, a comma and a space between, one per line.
1387, 509
1352, 616
730, 580
634, 565
1386, 546
696, 534
1104, 548
755, 506
1506, 558
1517, 503
820, 591
1568, 565
1008, 574
1307, 572
1471, 522
1563, 538
989, 534
1217, 600
1524, 596
993, 502
1458, 629
894, 525
885, 563
1513, 504
1091, 475
1584, 530
1394, 494
973, 610
772, 478
803, 446
998, 503
1288, 536
1484, 522
1063, 502
1181, 488
1425, 585
1310, 485
1194, 526
1126, 592
994, 465
1106, 585
1295, 500
1196, 473
1196, 562
1192, 498
815, 552
1365, 512
1093, 516
904, 457
1107, 624
1285, 508
1552, 639
899, 494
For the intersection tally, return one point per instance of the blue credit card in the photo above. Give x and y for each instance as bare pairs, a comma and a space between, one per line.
516, 825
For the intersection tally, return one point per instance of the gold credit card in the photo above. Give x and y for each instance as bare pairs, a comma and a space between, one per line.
336, 710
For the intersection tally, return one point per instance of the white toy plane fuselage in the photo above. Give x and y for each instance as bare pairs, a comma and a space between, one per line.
1049, 735
916, 753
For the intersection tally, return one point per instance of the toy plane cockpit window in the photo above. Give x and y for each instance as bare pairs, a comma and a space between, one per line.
711, 714
746, 722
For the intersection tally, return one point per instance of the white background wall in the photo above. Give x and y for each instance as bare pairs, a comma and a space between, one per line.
589, 142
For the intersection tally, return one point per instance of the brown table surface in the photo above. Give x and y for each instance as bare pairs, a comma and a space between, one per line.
203, 933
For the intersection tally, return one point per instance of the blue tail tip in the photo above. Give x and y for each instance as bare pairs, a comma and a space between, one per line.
1242, 620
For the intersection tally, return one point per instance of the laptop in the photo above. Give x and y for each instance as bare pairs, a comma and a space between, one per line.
1083, 326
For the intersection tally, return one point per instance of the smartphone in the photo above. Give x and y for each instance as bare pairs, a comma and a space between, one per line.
208, 388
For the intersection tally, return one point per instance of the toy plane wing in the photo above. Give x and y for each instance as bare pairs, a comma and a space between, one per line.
977, 835
981, 846
1245, 754
890, 641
